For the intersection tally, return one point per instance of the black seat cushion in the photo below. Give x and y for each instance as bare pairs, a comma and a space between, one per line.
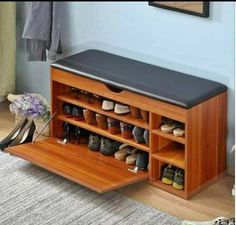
163, 84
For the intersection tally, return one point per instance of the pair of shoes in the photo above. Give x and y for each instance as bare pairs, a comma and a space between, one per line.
118, 108
73, 111
105, 145
141, 135
75, 134
21, 134
127, 153
217, 221
173, 176
133, 156
168, 126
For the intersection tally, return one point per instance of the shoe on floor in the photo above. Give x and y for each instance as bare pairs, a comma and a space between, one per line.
178, 182
121, 109
217, 221
168, 175
107, 105
94, 142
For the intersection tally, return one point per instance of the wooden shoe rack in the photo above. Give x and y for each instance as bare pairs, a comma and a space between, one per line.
201, 153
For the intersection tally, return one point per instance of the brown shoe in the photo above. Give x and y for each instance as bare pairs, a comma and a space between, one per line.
126, 130
89, 116
101, 121
145, 115
113, 126
135, 112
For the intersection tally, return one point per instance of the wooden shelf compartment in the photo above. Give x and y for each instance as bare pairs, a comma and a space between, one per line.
79, 164
94, 128
170, 136
173, 154
165, 187
96, 106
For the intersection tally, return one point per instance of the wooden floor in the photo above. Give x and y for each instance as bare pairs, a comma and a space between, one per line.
213, 202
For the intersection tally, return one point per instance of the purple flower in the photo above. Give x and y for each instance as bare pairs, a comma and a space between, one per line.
31, 106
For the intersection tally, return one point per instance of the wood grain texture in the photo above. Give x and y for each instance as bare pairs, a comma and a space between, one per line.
94, 128
205, 143
78, 163
96, 106
126, 97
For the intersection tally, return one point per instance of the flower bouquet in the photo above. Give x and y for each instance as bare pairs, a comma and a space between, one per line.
31, 105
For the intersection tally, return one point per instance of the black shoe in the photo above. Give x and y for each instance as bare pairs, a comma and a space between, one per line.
68, 131
146, 137
7, 140
108, 146
77, 113
138, 134
26, 134
94, 142
142, 160
67, 109
81, 135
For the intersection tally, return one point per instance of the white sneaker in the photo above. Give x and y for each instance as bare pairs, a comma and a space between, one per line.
121, 109
217, 221
107, 105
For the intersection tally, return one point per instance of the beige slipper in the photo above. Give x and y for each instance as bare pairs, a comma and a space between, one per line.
167, 128
131, 159
121, 154
178, 132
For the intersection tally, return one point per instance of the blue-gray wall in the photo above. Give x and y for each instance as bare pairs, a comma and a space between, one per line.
198, 46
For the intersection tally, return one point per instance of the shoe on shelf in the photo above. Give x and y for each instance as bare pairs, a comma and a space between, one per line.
25, 135
67, 109
142, 160
146, 137
138, 134
101, 121
121, 109
168, 175
178, 182
135, 112
89, 116
217, 221
132, 158
178, 132
108, 146
108, 105
94, 142
113, 126
81, 136
144, 115
68, 131
77, 113
122, 153
13, 134
126, 130
167, 128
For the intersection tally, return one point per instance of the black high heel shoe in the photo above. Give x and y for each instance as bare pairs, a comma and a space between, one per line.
26, 134
13, 134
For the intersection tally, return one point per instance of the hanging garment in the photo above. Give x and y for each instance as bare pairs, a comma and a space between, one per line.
42, 30
7, 47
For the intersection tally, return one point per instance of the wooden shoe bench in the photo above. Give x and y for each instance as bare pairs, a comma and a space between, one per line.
201, 153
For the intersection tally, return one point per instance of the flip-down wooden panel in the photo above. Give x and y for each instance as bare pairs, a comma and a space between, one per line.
77, 163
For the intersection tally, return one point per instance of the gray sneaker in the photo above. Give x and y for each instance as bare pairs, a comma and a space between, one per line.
138, 134
108, 146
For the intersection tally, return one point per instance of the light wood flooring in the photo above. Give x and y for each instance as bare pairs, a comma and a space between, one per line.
213, 202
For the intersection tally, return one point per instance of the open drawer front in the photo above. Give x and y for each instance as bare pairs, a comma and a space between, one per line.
75, 162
